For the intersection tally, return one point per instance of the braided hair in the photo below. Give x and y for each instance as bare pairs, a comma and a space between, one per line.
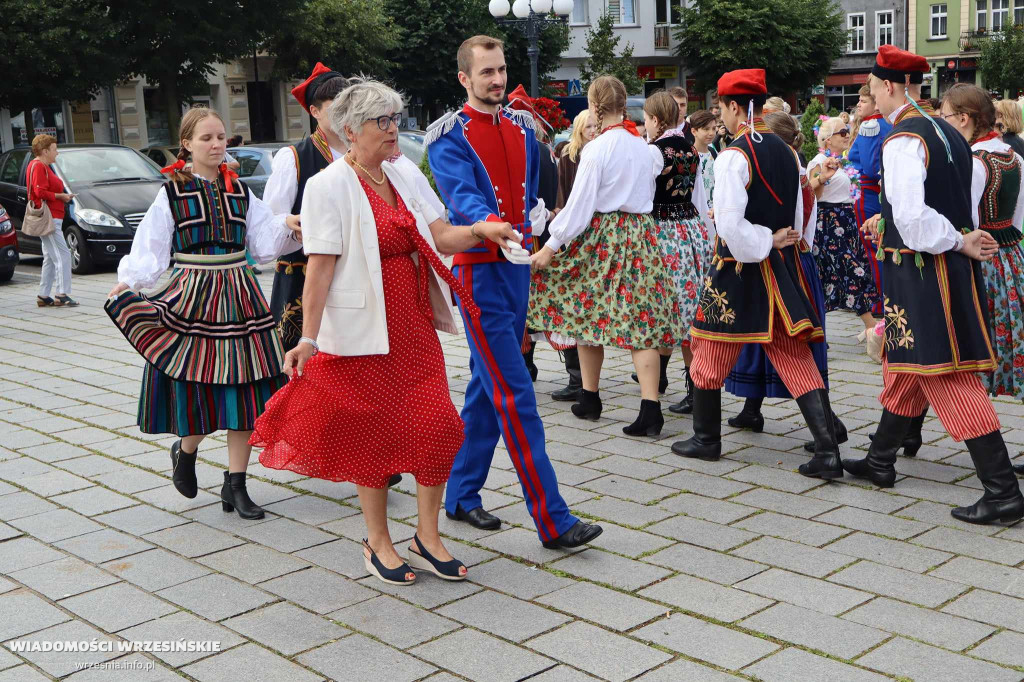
187, 130
966, 98
607, 96
662, 106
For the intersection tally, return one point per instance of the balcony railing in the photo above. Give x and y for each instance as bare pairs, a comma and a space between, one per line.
662, 37
970, 41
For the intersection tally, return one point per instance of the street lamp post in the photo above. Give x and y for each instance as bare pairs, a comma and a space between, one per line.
531, 17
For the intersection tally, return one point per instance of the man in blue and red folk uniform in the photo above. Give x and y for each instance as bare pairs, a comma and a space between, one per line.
936, 334
756, 293
484, 161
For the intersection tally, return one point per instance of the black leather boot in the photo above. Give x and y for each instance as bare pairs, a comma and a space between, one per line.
570, 393
589, 406
183, 471
663, 379
648, 422
750, 416
1002, 500
684, 406
706, 442
817, 412
841, 434
234, 497
528, 359
912, 441
879, 466
1018, 469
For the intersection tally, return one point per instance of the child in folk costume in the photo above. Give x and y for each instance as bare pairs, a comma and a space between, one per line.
936, 336
997, 202
213, 354
610, 286
757, 292
754, 377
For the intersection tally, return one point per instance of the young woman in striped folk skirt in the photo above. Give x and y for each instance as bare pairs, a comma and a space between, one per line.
213, 355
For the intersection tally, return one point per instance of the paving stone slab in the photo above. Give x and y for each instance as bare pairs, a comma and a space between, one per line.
815, 630
702, 533
626, 488
795, 664
94, 500
103, 545
249, 662
353, 527
318, 590
193, 539
793, 556
784, 503
898, 584
853, 495
971, 544
560, 673
24, 552
175, 626
8, 660
117, 607
478, 656
54, 452
285, 535
253, 563
983, 574
988, 607
707, 508
916, 661
524, 581
631, 543
933, 627
216, 597
54, 483
21, 504
611, 569
155, 569
310, 510
683, 669
889, 552
395, 622
524, 544
59, 663
131, 668
703, 563
791, 528
168, 498
1006, 648
629, 466
517, 622
700, 596
599, 652
55, 525
140, 520
622, 511
873, 522
285, 628
63, 578
709, 486
799, 590
777, 479
24, 612
706, 642
603, 606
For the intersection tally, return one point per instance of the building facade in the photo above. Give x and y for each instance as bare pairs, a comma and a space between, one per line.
871, 24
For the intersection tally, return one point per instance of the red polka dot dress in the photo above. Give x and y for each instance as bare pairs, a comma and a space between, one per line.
364, 418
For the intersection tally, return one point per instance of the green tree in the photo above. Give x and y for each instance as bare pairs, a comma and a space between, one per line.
55, 51
795, 41
554, 40
602, 60
812, 114
1001, 63
350, 36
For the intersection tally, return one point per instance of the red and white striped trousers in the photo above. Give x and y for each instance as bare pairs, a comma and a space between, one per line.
958, 398
713, 360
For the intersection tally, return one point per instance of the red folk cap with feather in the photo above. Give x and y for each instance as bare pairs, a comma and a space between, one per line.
305, 92
894, 64
743, 82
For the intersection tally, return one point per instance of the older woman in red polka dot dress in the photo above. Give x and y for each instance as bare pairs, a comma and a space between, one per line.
369, 396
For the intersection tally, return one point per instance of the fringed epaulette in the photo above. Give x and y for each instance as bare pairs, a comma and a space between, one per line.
870, 128
441, 126
523, 118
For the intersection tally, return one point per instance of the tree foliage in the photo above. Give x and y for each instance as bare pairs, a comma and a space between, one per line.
554, 40
602, 60
1001, 63
812, 114
795, 41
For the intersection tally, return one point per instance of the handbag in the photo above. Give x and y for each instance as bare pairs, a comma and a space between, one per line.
38, 222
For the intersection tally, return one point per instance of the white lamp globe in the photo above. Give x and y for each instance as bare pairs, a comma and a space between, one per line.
521, 8
541, 6
563, 7
498, 8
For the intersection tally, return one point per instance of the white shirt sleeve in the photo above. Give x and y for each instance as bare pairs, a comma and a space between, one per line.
426, 194
322, 217
921, 226
978, 178
657, 158
575, 216
1018, 211
151, 248
748, 243
283, 184
266, 235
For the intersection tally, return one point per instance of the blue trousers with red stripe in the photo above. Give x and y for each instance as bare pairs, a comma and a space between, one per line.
500, 400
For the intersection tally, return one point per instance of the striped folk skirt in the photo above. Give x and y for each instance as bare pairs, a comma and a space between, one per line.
213, 355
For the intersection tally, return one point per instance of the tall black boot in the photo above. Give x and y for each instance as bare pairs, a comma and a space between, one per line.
817, 412
1002, 500
663, 378
648, 422
912, 441
841, 434
528, 359
570, 393
684, 406
234, 497
750, 416
879, 466
706, 442
589, 406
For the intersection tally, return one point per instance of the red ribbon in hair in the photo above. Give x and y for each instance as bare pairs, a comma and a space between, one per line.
628, 125
174, 167
228, 176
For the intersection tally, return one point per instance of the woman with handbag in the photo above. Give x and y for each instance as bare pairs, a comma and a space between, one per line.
45, 222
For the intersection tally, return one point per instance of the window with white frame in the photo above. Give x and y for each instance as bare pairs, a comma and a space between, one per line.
579, 12
1000, 14
855, 25
981, 22
623, 10
668, 11
1018, 12
883, 28
938, 17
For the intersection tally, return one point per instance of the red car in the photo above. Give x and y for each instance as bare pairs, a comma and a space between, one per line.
8, 247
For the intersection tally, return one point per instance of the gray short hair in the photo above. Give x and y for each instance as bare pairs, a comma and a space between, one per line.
363, 100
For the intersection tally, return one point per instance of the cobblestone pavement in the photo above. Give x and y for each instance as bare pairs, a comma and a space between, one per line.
706, 570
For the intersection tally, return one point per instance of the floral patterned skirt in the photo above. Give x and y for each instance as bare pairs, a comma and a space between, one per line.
686, 250
842, 260
1004, 281
609, 287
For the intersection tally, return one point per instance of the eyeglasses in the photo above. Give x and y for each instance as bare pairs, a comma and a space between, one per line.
384, 122
945, 116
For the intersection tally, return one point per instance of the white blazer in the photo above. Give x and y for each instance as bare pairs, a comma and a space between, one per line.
337, 219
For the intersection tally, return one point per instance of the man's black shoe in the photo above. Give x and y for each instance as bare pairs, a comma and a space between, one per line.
580, 534
478, 518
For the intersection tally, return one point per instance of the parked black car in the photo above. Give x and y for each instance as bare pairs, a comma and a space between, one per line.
8, 247
115, 186
254, 163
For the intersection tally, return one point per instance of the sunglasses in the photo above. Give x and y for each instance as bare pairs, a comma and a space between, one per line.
384, 122
841, 133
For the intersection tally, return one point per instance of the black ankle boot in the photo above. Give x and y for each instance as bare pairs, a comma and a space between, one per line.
572, 391
1002, 500
684, 406
528, 359
648, 422
750, 416
879, 466
183, 471
817, 412
841, 434
1018, 469
234, 497
663, 378
912, 441
706, 442
589, 406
